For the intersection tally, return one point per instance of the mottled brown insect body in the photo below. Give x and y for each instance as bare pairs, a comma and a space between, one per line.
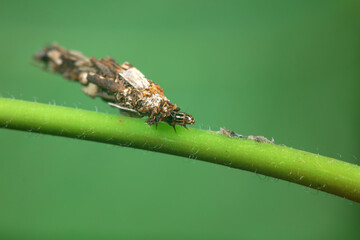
122, 86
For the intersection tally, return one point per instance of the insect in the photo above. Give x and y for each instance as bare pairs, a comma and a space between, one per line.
122, 86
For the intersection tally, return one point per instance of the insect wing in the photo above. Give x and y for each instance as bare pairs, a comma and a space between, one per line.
135, 78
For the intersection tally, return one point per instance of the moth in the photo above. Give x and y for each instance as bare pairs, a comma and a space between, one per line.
122, 86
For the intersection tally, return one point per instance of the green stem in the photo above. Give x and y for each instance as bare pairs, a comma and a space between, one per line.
311, 170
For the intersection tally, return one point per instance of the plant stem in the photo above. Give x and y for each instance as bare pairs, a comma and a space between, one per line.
311, 170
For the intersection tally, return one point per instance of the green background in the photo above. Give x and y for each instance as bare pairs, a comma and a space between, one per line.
282, 69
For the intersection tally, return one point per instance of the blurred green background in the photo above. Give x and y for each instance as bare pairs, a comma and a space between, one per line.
282, 69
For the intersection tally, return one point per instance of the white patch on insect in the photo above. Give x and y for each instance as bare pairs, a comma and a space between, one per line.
122, 107
154, 100
83, 78
55, 56
135, 78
